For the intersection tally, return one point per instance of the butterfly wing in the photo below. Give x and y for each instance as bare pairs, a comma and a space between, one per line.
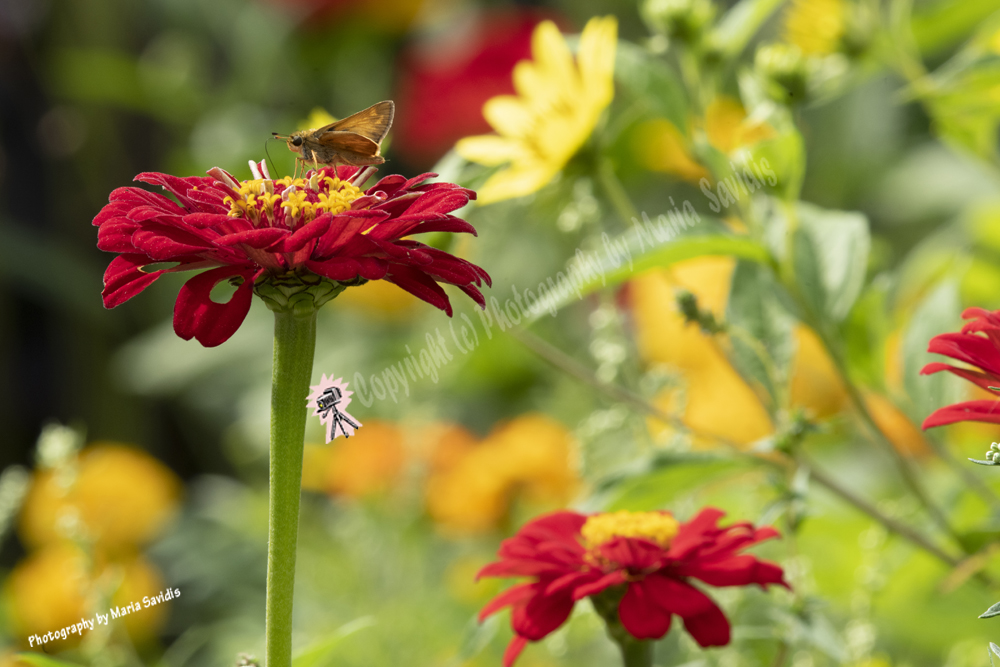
372, 123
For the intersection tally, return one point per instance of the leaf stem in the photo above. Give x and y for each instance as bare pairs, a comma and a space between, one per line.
294, 347
615, 191
903, 465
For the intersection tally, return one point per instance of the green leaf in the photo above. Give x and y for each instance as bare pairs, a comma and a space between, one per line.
665, 477
995, 649
754, 311
985, 463
649, 80
948, 22
322, 652
831, 259
938, 313
36, 660
739, 24
476, 636
629, 255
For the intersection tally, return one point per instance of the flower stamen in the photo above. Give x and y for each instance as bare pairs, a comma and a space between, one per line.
657, 527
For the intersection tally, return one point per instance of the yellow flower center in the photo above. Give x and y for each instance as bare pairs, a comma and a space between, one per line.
657, 527
301, 199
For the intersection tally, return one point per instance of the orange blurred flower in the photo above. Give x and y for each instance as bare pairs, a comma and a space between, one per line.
59, 584
362, 465
112, 495
471, 487
380, 300
83, 520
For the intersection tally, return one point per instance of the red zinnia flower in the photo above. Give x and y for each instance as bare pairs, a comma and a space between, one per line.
981, 352
649, 554
280, 238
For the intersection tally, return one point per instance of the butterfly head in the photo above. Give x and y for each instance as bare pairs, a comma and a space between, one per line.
294, 141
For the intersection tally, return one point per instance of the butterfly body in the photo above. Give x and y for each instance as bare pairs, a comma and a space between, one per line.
355, 140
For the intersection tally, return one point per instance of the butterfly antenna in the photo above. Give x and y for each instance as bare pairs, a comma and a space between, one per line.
268, 154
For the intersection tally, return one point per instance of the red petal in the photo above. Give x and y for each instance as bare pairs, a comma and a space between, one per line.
123, 279
115, 235
163, 243
695, 533
197, 316
263, 238
307, 233
541, 615
635, 553
511, 596
970, 411
608, 580
984, 380
420, 285
970, 348
514, 649
205, 220
738, 570
641, 615
347, 268
343, 228
702, 618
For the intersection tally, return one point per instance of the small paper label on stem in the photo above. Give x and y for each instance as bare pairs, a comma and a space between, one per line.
329, 400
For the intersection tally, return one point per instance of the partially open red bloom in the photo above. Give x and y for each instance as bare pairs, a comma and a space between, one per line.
982, 352
570, 556
265, 230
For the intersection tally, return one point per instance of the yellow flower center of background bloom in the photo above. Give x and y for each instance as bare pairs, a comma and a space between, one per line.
656, 527
301, 198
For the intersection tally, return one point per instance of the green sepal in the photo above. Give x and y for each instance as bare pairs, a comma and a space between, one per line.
299, 291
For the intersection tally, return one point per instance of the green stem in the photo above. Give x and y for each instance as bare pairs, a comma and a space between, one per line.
615, 191
636, 653
294, 346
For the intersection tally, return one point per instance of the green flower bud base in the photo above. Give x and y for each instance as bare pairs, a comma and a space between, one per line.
300, 292
635, 652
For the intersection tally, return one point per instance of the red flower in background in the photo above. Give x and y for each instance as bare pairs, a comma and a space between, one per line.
570, 556
262, 232
982, 352
442, 87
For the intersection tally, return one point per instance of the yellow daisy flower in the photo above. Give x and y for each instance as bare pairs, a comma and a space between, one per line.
816, 26
558, 103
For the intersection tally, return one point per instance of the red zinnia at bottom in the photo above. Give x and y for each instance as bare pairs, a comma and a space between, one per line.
650, 555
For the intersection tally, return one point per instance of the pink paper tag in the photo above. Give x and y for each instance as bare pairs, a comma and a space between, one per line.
329, 401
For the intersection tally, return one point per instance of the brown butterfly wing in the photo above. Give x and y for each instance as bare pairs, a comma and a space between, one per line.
342, 148
372, 123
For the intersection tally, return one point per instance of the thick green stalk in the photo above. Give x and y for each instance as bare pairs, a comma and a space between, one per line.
294, 346
635, 652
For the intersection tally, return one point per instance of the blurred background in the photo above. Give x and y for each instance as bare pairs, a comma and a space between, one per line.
134, 461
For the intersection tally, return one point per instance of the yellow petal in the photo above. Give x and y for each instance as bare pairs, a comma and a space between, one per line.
516, 181
816, 384
530, 81
553, 55
597, 58
659, 146
490, 150
509, 116
662, 334
723, 118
